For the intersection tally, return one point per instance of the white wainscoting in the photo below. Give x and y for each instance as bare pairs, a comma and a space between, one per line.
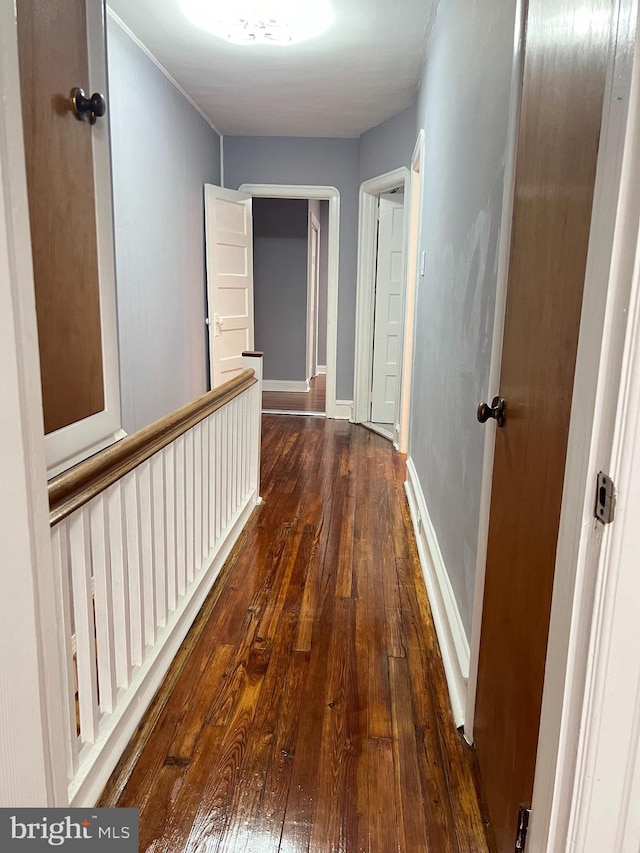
133, 566
446, 616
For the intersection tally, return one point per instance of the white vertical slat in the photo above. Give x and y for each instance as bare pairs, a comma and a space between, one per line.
204, 435
134, 564
103, 604
246, 434
60, 550
218, 474
235, 411
226, 467
213, 495
233, 440
246, 453
143, 476
189, 491
156, 465
82, 597
120, 584
181, 517
170, 526
197, 496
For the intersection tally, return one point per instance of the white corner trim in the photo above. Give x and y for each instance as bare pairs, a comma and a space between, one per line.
343, 410
446, 616
322, 369
134, 38
222, 160
285, 385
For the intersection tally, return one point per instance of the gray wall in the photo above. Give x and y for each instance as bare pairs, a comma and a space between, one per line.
162, 156
463, 107
280, 242
316, 162
389, 145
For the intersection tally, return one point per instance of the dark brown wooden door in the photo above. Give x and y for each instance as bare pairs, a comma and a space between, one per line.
52, 40
562, 99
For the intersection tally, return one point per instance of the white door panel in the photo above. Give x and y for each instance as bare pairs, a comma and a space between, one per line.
387, 336
229, 232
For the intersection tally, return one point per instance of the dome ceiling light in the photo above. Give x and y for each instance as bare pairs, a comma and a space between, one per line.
261, 22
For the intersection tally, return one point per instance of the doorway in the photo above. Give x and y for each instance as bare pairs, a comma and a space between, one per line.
380, 368
332, 408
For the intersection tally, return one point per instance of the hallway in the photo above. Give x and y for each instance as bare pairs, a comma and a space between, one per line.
311, 710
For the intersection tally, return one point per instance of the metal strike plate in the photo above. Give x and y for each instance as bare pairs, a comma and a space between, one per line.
605, 499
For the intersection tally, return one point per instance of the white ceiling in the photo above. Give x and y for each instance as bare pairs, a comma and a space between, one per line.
360, 72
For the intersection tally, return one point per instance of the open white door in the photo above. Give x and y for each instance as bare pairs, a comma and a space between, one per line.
229, 239
387, 338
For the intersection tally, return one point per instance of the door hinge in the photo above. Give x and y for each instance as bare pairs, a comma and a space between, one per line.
524, 813
605, 499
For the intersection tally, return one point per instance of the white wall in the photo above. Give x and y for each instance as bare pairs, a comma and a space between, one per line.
315, 162
463, 107
163, 153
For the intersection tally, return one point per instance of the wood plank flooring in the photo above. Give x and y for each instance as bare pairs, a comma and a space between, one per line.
311, 711
313, 400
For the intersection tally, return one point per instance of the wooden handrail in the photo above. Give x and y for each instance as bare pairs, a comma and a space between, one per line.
77, 486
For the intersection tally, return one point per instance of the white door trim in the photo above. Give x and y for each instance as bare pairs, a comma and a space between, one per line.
414, 201
331, 194
312, 296
366, 283
33, 771
504, 250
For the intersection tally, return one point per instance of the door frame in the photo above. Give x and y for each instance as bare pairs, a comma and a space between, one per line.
414, 203
312, 298
366, 286
334, 408
32, 716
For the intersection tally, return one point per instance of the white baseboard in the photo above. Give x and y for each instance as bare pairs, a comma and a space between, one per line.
301, 385
343, 410
446, 616
322, 369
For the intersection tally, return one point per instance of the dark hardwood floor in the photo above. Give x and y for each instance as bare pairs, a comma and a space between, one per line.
309, 711
313, 400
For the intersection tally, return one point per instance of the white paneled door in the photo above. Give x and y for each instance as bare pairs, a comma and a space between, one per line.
229, 233
387, 337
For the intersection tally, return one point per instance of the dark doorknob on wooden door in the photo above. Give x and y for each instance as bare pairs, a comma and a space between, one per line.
496, 411
87, 109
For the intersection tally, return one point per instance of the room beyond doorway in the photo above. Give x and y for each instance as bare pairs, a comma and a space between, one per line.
312, 402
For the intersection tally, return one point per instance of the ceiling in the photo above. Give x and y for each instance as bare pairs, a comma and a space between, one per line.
360, 72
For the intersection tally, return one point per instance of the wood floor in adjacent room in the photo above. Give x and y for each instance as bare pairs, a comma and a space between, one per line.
313, 400
310, 714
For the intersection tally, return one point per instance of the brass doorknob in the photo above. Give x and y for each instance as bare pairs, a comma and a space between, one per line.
495, 411
87, 109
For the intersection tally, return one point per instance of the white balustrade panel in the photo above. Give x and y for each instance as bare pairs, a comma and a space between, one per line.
134, 566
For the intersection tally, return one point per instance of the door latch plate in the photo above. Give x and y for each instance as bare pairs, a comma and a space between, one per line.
605, 499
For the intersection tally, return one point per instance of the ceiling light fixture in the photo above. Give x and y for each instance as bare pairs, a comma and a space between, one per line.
266, 22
